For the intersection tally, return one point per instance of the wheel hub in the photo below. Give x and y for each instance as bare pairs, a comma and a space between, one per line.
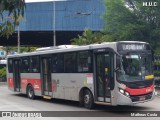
30, 93
86, 99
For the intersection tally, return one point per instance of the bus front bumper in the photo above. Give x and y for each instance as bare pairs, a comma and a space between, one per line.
132, 100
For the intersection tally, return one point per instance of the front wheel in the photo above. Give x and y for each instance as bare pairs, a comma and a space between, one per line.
30, 92
88, 99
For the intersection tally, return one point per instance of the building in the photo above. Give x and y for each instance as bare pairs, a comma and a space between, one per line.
72, 17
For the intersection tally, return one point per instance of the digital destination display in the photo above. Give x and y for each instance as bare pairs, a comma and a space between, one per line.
132, 46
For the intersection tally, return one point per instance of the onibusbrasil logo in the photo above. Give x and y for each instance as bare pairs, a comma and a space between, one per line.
21, 114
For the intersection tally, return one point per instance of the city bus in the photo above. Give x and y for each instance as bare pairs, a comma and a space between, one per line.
110, 73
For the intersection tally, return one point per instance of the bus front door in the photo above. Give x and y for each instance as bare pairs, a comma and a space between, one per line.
16, 75
46, 76
103, 77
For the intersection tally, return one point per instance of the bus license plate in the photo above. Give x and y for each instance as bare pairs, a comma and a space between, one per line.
142, 98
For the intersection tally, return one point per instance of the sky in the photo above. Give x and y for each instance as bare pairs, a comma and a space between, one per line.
28, 1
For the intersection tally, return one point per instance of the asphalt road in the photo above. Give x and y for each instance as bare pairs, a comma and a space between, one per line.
10, 101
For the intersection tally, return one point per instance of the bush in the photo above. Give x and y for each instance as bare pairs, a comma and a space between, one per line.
156, 73
3, 74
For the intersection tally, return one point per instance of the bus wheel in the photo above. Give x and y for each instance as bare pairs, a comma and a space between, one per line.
30, 92
88, 99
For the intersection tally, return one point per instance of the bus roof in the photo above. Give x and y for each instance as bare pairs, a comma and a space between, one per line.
71, 48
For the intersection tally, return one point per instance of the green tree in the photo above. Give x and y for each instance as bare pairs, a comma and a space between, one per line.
88, 37
130, 20
10, 49
3, 74
11, 11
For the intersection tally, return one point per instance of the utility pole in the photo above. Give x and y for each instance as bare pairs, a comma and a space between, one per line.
54, 23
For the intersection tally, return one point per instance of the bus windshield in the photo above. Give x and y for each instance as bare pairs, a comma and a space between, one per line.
135, 67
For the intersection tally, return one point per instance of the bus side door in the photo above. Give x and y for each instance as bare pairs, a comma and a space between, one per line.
103, 70
46, 62
16, 75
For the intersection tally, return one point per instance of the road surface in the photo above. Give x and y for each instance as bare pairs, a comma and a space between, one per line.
10, 101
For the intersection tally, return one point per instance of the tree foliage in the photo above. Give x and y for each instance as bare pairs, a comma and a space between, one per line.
11, 11
88, 37
3, 74
23, 49
130, 20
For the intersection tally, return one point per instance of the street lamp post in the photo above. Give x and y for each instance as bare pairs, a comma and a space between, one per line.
54, 23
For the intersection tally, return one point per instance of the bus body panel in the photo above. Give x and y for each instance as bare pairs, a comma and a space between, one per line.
64, 86
33, 79
123, 100
68, 85
10, 80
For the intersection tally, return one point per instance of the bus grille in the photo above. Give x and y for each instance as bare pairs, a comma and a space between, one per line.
141, 97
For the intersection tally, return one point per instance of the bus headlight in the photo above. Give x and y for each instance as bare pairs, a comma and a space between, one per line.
121, 91
124, 92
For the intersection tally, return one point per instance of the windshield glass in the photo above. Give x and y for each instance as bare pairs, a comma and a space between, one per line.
135, 67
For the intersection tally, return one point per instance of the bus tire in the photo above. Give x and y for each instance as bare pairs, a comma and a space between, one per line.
88, 99
30, 92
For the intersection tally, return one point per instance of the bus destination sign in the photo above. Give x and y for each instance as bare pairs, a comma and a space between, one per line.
133, 46
129, 46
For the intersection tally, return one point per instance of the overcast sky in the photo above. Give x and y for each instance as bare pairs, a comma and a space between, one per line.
27, 1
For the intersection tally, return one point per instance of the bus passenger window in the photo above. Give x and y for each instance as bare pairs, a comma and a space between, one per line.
10, 66
70, 62
25, 66
60, 63
54, 65
84, 61
57, 66
35, 64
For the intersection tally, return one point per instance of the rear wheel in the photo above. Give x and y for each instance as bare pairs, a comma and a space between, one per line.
88, 99
30, 92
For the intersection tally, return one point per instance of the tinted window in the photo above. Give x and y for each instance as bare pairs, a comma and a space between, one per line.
10, 65
58, 63
84, 61
25, 65
35, 64
70, 62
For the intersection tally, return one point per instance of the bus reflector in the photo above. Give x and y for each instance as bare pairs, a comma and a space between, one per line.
149, 77
47, 97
